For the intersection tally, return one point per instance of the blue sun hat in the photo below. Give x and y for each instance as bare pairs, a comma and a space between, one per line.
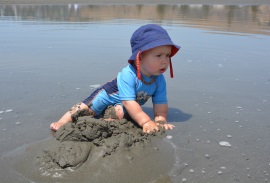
147, 37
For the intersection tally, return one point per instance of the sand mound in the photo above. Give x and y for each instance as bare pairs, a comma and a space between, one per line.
75, 141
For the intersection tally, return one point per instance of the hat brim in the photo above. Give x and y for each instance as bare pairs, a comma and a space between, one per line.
164, 42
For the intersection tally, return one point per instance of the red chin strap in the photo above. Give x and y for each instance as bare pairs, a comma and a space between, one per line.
138, 65
171, 68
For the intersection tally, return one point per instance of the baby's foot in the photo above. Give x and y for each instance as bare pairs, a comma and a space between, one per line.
55, 126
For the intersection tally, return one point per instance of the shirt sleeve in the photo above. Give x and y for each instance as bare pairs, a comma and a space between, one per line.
160, 95
126, 82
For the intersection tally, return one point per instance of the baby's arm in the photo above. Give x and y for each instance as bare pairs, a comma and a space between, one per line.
160, 112
139, 116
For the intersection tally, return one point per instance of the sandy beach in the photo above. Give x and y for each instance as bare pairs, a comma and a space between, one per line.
54, 53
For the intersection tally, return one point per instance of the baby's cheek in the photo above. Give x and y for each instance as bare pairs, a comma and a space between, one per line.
152, 68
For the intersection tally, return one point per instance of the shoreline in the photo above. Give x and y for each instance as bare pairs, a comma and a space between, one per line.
121, 2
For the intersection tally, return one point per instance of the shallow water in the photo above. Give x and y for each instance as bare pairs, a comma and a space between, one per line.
53, 55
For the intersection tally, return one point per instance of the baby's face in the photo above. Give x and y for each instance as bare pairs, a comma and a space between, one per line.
156, 60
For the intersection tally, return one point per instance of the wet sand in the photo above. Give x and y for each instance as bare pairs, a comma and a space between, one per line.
85, 150
115, 2
220, 93
133, 165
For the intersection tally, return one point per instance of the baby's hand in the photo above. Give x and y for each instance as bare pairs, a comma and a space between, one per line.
165, 125
149, 127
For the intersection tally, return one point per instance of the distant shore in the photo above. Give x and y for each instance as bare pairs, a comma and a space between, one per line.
119, 2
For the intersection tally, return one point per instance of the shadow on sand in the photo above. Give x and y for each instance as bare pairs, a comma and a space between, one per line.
174, 115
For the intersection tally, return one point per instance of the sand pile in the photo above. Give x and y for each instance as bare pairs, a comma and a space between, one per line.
75, 141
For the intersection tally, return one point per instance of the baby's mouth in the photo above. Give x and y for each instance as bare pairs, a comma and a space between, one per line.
162, 70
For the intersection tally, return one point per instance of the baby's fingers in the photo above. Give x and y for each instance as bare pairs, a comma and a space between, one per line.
150, 129
168, 126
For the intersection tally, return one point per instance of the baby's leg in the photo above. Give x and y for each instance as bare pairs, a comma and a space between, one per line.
119, 111
72, 115
113, 113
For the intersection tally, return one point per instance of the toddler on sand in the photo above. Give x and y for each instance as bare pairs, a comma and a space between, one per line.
141, 79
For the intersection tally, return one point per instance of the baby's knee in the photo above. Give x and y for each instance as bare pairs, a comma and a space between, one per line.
119, 111
81, 108
76, 107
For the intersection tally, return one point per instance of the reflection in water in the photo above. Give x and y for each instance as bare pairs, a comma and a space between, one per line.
248, 19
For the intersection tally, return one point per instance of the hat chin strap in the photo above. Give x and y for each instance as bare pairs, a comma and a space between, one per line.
138, 65
171, 68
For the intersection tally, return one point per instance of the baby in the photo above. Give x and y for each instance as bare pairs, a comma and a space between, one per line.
141, 79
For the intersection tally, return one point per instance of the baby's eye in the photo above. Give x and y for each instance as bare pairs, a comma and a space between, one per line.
158, 55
